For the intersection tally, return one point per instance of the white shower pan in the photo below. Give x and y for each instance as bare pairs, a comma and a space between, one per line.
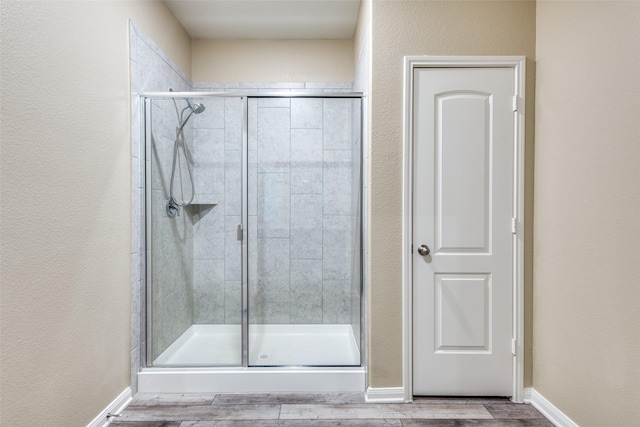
269, 345
282, 358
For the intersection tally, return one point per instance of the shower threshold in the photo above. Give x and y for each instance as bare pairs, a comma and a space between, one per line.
282, 358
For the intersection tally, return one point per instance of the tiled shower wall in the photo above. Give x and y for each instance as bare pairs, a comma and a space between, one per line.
217, 154
302, 206
171, 238
302, 266
151, 70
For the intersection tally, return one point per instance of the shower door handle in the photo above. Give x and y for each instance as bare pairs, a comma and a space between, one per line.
239, 232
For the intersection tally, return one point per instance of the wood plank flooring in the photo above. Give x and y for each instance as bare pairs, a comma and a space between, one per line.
345, 409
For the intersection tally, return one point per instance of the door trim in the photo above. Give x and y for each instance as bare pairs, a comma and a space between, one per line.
518, 65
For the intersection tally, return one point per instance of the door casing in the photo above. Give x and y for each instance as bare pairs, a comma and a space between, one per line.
517, 63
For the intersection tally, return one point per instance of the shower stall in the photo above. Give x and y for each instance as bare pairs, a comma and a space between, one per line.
253, 232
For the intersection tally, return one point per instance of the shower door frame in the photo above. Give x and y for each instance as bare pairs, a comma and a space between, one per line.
244, 96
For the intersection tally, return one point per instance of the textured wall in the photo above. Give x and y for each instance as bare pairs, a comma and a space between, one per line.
272, 60
424, 28
66, 239
586, 343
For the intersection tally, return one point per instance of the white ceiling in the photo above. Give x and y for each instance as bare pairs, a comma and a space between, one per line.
267, 19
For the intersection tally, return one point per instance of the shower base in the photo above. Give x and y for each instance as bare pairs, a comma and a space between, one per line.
282, 358
269, 345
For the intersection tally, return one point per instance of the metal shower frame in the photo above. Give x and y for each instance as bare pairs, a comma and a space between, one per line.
244, 96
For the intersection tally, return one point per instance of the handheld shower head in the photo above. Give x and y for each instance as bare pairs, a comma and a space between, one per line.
198, 108
195, 109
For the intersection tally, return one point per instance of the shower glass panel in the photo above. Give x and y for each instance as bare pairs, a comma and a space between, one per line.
253, 221
194, 276
304, 231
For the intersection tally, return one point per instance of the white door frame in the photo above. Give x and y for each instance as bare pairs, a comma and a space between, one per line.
518, 65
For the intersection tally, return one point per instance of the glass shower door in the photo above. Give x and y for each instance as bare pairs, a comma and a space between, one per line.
303, 231
275, 181
194, 267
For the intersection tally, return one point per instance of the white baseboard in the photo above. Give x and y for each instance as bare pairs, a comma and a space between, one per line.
548, 409
114, 408
526, 395
385, 394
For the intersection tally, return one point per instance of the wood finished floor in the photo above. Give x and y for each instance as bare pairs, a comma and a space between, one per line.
347, 409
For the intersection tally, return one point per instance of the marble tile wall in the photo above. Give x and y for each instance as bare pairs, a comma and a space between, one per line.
208, 150
301, 207
151, 70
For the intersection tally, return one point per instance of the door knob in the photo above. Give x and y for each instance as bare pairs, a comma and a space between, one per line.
424, 250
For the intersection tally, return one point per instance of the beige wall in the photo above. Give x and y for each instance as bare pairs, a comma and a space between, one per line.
587, 243
272, 60
362, 34
66, 192
424, 28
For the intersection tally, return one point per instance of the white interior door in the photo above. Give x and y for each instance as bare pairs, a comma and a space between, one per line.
463, 178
